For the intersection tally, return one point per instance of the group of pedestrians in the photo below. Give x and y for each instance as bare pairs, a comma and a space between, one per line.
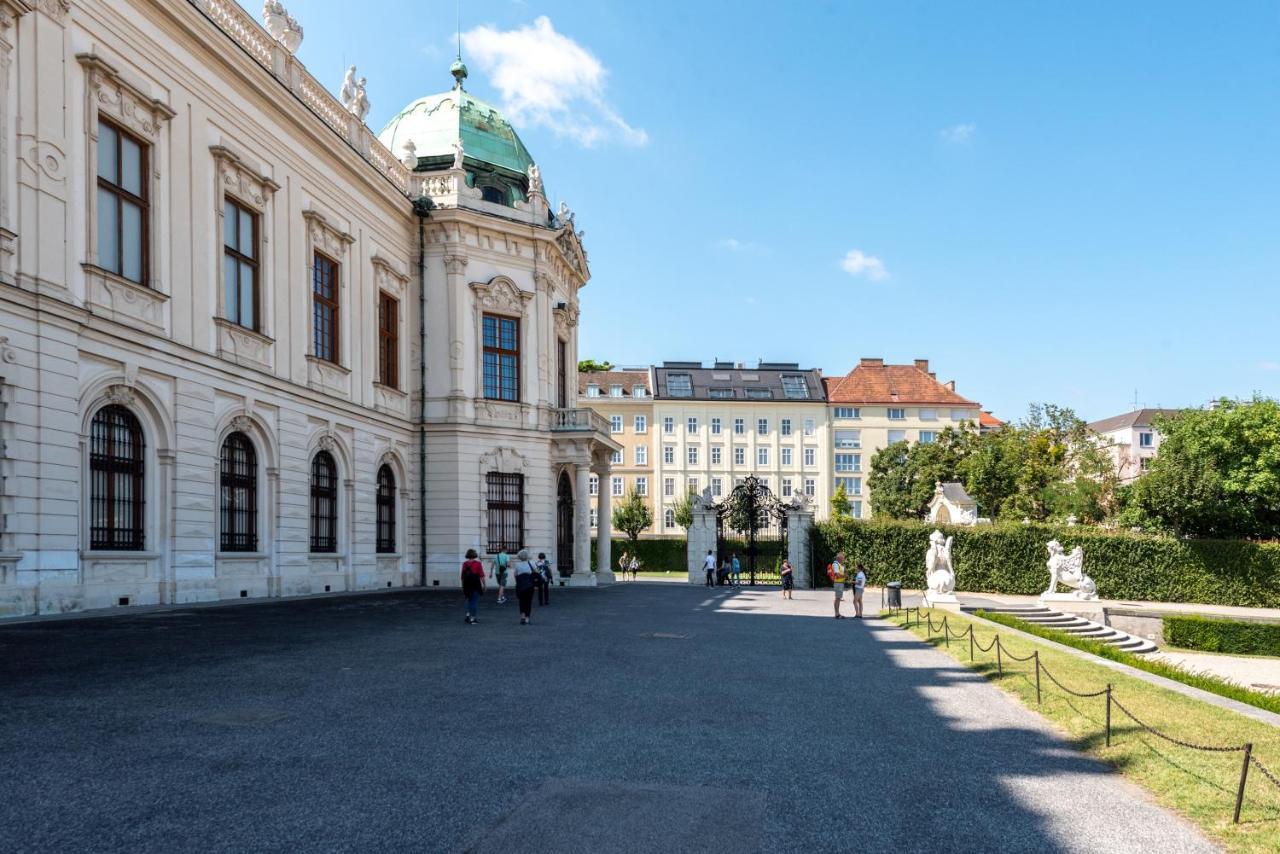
728, 573
530, 577
839, 577
628, 563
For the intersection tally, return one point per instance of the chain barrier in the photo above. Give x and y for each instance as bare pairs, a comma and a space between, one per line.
1001, 651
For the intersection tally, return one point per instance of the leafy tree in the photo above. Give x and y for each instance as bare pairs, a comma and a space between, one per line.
591, 366
684, 511
840, 507
1217, 473
903, 476
632, 516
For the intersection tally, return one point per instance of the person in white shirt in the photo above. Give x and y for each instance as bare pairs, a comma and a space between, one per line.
709, 565
859, 584
836, 573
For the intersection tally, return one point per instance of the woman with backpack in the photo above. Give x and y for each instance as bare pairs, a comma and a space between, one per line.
472, 584
526, 582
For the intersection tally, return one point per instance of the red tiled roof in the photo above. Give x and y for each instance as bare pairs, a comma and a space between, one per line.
872, 382
986, 419
604, 379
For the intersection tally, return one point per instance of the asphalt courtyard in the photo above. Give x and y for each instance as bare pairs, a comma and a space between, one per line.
642, 717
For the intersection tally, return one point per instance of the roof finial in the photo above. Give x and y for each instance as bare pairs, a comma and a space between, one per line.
458, 69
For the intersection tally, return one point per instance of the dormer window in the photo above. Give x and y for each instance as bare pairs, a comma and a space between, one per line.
493, 194
679, 385
795, 387
639, 391
593, 390
615, 391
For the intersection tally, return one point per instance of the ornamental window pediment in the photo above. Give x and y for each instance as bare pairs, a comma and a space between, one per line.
123, 101
240, 178
500, 295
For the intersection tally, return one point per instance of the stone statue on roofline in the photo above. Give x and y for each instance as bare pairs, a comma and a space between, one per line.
535, 179
282, 26
353, 97
457, 153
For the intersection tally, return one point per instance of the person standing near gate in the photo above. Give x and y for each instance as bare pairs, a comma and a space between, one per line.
788, 579
859, 584
709, 567
544, 581
737, 571
836, 573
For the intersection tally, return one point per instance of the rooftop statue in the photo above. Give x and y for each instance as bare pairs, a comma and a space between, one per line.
1068, 569
535, 179
457, 153
282, 26
353, 96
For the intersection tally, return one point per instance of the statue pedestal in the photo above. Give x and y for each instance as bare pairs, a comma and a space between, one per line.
944, 601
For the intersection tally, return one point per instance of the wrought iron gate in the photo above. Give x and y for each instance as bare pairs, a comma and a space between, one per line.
751, 524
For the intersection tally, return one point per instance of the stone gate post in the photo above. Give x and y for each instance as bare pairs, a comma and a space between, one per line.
799, 528
702, 537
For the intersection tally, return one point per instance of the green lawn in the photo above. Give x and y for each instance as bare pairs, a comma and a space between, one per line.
1199, 785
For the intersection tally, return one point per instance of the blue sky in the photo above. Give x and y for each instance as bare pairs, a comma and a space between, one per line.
1052, 202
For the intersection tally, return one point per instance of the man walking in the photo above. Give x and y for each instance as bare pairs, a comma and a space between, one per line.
709, 565
499, 574
859, 584
836, 573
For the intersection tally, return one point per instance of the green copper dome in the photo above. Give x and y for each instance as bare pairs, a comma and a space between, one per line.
433, 124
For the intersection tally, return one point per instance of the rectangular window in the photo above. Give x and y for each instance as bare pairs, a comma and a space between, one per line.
762, 456
692, 453
848, 439
615, 423
668, 518
615, 391
641, 424
240, 265
786, 427
593, 485
501, 357
388, 340
642, 455
960, 414
324, 308
639, 391
762, 426
715, 455
505, 507
852, 485
810, 487
848, 462
739, 456
691, 485
669, 454
857, 509
928, 437
759, 393
715, 426
1145, 440
786, 456
668, 486
668, 425
123, 209
595, 515
593, 390
810, 456
810, 427
786, 487
897, 436
739, 426
679, 385
721, 393
897, 414
794, 386
928, 415
615, 487
616, 458
848, 412
1144, 464
562, 373
642, 486
717, 487
691, 425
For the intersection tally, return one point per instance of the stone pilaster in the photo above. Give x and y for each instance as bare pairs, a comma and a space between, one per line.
799, 528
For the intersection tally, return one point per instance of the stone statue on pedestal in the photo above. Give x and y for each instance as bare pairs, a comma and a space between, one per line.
940, 574
1068, 569
535, 179
457, 153
282, 26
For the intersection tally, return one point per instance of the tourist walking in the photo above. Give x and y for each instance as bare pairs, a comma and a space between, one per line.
623, 563
722, 577
526, 583
836, 573
634, 566
472, 585
544, 582
499, 573
788, 579
709, 567
737, 572
859, 584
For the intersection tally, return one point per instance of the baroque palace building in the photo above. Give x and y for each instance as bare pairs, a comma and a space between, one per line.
249, 349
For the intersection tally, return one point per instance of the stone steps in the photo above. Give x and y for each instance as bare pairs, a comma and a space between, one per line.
1074, 625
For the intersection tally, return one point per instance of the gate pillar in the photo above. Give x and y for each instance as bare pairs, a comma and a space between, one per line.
799, 525
702, 537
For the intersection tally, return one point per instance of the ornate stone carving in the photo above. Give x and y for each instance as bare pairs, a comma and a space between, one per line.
120, 395
8, 355
55, 9
388, 277
353, 95
1068, 569
506, 460
235, 177
123, 101
501, 295
391, 400
241, 424
566, 319
409, 155
324, 237
325, 376
43, 156
455, 265
940, 572
507, 412
282, 26
243, 346
327, 442
535, 179
124, 301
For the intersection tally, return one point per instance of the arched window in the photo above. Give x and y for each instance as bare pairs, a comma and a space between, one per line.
669, 518
324, 503
493, 194
386, 510
238, 478
116, 469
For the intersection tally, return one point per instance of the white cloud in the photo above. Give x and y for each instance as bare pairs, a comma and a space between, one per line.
1270, 366
858, 263
958, 134
548, 79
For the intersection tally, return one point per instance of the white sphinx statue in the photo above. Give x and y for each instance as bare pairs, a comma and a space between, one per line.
1068, 569
939, 572
282, 26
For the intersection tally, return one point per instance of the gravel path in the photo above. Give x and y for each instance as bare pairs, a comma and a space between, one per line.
645, 717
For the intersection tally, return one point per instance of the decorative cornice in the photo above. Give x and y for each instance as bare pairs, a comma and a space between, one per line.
455, 264
245, 183
139, 111
11, 10
500, 294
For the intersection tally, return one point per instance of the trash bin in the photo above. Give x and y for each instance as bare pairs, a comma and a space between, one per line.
894, 590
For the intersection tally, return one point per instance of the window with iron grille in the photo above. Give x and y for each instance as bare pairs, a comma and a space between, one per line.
238, 479
240, 264
506, 511
122, 203
324, 309
501, 357
389, 340
386, 510
116, 471
324, 504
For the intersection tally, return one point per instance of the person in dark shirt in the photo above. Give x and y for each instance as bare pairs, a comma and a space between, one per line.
472, 585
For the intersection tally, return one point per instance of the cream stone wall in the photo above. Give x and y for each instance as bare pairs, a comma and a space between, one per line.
629, 439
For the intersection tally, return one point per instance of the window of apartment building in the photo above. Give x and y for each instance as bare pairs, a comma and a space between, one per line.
715, 426
324, 503
928, 437
721, 393
593, 485
857, 509
759, 393
786, 487
385, 502
388, 340
794, 387
848, 462
848, 438
123, 210
240, 264
786, 456
897, 436
1144, 463
116, 481
615, 487
505, 505
595, 517
668, 518
1146, 440
810, 427
641, 424
669, 454
739, 456
847, 412
615, 391
501, 357
668, 486
810, 487
852, 485
785, 427
642, 455
897, 414
717, 487
691, 425
679, 385
324, 308
762, 426
928, 415
615, 423
762, 456
811, 456
639, 391
691, 485
593, 390
960, 414
716, 451
691, 454
739, 426
616, 458
642, 486
238, 499
668, 425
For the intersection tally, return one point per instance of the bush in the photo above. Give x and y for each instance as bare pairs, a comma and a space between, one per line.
1011, 559
655, 555
1231, 636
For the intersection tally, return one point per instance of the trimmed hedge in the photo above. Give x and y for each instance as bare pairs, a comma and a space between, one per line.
1011, 559
1230, 636
655, 555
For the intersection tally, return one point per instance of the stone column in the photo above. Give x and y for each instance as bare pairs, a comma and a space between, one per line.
582, 523
799, 525
604, 528
455, 266
702, 538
